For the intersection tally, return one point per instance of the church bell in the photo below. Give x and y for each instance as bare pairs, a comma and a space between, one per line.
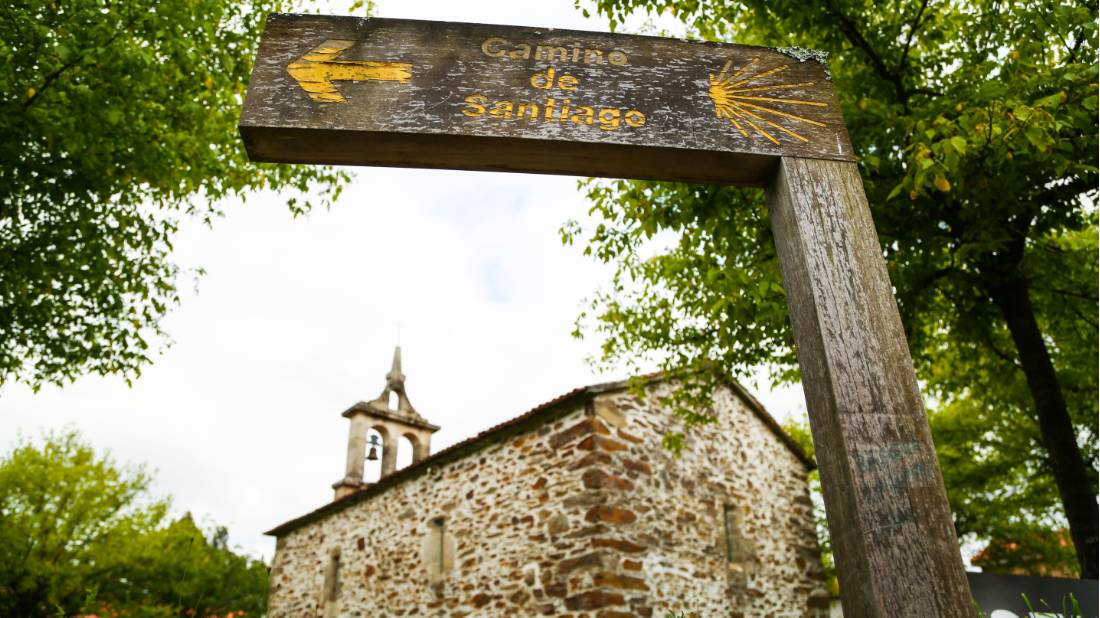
372, 455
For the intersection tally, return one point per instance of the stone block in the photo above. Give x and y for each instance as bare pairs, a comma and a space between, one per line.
610, 514
593, 599
594, 478
623, 582
583, 428
592, 560
618, 544
557, 524
610, 413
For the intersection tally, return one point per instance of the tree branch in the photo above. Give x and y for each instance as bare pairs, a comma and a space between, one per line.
53, 76
909, 39
856, 38
925, 91
49, 80
931, 278
997, 351
1087, 319
1071, 294
1065, 43
1065, 191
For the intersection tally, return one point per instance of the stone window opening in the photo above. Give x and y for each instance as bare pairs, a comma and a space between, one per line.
727, 521
405, 446
741, 556
439, 533
438, 552
531, 575
372, 469
331, 592
441, 524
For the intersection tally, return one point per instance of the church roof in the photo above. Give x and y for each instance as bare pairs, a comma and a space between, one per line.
546, 412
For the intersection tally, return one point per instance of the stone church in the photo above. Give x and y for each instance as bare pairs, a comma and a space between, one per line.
571, 509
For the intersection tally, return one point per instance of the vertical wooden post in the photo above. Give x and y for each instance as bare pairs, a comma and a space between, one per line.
893, 538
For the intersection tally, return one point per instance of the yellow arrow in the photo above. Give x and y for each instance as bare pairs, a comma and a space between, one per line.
316, 71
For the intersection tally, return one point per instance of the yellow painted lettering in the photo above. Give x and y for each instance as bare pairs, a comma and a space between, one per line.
491, 47
521, 52
617, 58
501, 109
593, 56
543, 80
564, 111
528, 108
476, 104
634, 118
549, 109
609, 119
567, 82
583, 115
551, 54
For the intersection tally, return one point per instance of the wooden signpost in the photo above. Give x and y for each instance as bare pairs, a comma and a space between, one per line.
404, 93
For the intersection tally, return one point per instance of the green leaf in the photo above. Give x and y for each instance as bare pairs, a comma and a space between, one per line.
1051, 101
1037, 137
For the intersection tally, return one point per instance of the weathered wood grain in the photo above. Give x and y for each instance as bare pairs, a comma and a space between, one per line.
405, 93
892, 534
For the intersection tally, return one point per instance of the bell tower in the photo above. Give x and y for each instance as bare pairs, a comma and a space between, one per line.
393, 417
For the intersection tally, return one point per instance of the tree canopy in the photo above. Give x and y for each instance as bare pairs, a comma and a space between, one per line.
80, 533
117, 120
975, 124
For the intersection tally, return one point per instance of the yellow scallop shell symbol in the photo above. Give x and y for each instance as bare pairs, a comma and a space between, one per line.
742, 98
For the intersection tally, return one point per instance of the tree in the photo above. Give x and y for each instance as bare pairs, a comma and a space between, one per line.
975, 125
80, 533
181, 570
117, 120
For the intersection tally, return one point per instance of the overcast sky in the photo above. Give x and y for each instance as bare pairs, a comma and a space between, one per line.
296, 319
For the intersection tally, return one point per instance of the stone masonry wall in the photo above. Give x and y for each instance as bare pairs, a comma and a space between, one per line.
585, 515
727, 528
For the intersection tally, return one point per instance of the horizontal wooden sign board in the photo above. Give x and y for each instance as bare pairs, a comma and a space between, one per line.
391, 92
